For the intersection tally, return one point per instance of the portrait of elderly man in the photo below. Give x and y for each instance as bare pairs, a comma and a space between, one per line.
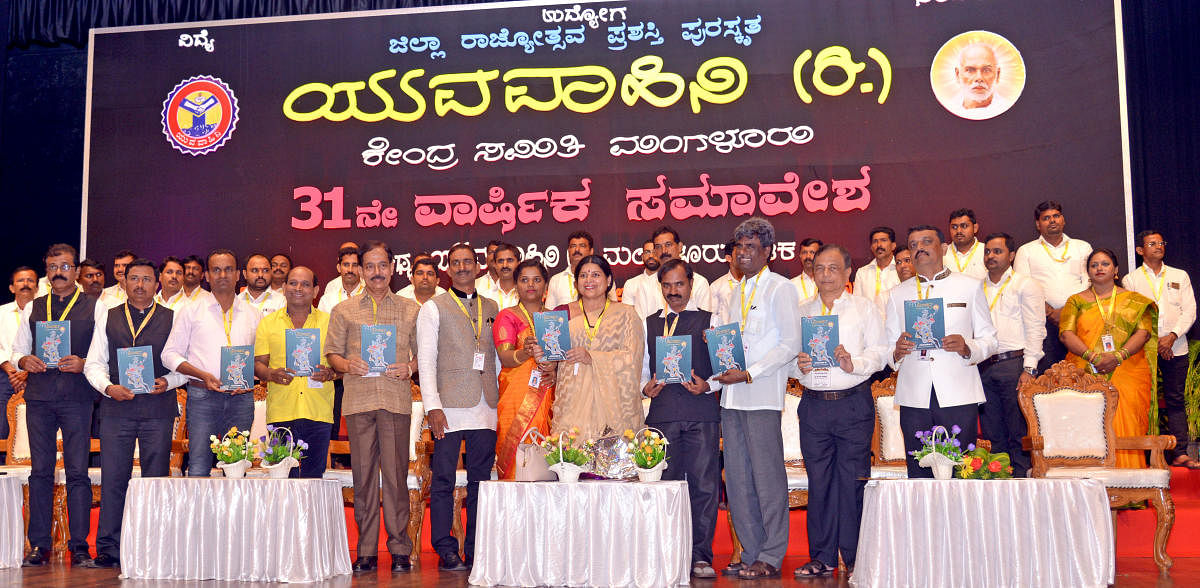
978, 75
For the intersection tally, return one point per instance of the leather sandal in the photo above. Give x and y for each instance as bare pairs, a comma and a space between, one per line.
733, 569
759, 570
814, 569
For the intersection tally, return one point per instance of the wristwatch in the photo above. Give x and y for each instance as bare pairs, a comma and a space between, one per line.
1031, 371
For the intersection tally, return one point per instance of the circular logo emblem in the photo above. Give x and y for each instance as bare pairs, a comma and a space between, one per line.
199, 115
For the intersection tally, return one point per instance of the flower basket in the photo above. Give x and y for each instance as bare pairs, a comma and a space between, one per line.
280, 451
234, 469
652, 474
943, 467
648, 449
940, 450
232, 451
564, 458
567, 471
282, 469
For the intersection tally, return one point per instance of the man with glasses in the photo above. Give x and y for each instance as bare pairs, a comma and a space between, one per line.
58, 397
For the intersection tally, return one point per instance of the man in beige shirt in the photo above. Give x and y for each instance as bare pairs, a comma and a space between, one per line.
377, 407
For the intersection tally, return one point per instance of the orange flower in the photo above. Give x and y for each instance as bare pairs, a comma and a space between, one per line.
995, 466
976, 463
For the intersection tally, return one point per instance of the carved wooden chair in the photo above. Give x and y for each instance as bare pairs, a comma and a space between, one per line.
1070, 417
17, 462
887, 442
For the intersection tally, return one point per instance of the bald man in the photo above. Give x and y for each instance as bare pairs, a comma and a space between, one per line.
978, 76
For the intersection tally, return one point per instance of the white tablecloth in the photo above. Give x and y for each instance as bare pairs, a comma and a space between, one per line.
12, 523
592, 533
257, 530
930, 533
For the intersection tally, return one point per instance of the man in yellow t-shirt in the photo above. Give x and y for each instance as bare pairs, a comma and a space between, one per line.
303, 404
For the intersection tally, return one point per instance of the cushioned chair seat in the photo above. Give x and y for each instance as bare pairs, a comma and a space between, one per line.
1117, 477
888, 472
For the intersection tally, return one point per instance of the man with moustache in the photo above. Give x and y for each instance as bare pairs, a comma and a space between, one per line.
91, 277
963, 253
281, 264
258, 279
202, 327
130, 417
23, 285
1058, 264
687, 413
424, 280
193, 275
171, 276
562, 285
904, 265
978, 74
59, 398
722, 288
872, 281
806, 286
1171, 289
115, 295
668, 246
378, 409
460, 391
302, 404
837, 414
502, 287
765, 306
647, 280
336, 283
939, 386
1017, 307
350, 284
491, 272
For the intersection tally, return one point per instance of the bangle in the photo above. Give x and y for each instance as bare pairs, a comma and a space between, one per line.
1087, 356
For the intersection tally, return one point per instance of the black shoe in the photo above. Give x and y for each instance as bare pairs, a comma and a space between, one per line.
81, 559
37, 557
105, 560
365, 563
450, 562
400, 564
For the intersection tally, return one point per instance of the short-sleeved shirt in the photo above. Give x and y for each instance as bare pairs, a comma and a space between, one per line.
286, 402
345, 339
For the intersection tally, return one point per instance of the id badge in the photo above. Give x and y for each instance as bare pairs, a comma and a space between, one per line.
821, 378
925, 355
315, 384
1107, 342
477, 362
535, 379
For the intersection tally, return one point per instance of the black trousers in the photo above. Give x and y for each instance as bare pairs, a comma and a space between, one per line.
478, 460
117, 438
1174, 375
1053, 349
45, 419
693, 454
316, 435
966, 416
1001, 418
836, 438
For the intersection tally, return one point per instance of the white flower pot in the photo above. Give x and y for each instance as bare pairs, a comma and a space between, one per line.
236, 469
282, 469
567, 472
943, 467
653, 474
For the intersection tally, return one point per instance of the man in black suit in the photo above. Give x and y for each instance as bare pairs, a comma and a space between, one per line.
687, 413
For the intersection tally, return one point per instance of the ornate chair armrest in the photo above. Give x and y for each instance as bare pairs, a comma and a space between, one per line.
1155, 444
1029, 443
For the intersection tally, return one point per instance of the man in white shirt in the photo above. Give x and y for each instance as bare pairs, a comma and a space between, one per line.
722, 288
114, 295
963, 253
1171, 289
1058, 264
502, 288
647, 280
668, 246
281, 264
423, 278
201, 329
350, 283
872, 281
170, 275
23, 285
258, 281
193, 276
336, 283
456, 354
764, 304
562, 285
939, 386
837, 413
806, 286
978, 75
490, 273
1017, 307
91, 278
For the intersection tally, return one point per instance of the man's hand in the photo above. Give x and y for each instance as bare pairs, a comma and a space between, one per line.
653, 387
282, 376
118, 393
733, 377
1164, 345
32, 364
697, 386
211, 382
71, 364
804, 362
843, 358
1054, 314
956, 344
160, 386
437, 423
904, 346
397, 370
17, 380
323, 374
1025, 378
357, 366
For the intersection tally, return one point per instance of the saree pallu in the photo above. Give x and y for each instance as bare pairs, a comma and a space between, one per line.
1135, 379
607, 394
521, 406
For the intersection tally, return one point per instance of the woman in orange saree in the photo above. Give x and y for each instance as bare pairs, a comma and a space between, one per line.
525, 399
1112, 332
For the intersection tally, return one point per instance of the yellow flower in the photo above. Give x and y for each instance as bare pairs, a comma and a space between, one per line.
629, 433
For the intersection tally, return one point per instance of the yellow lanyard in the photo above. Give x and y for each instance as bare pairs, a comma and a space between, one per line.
66, 310
803, 286
747, 304
1162, 281
195, 293
478, 325
1051, 255
259, 305
588, 328
826, 311
668, 332
921, 296
528, 317
962, 267
1111, 307
227, 319
993, 301
145, 321
574, 292
879, 281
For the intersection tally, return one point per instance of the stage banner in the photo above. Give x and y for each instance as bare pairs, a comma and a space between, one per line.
524, 122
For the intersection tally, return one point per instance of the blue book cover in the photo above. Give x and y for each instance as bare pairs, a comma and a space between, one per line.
925, 321
237, 367
820, 337
303, 348
553, 333
725, 348
136, 368
378, 347
674, 359
52, 342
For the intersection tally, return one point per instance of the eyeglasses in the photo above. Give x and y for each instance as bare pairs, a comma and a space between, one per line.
66, 267
1155, 243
